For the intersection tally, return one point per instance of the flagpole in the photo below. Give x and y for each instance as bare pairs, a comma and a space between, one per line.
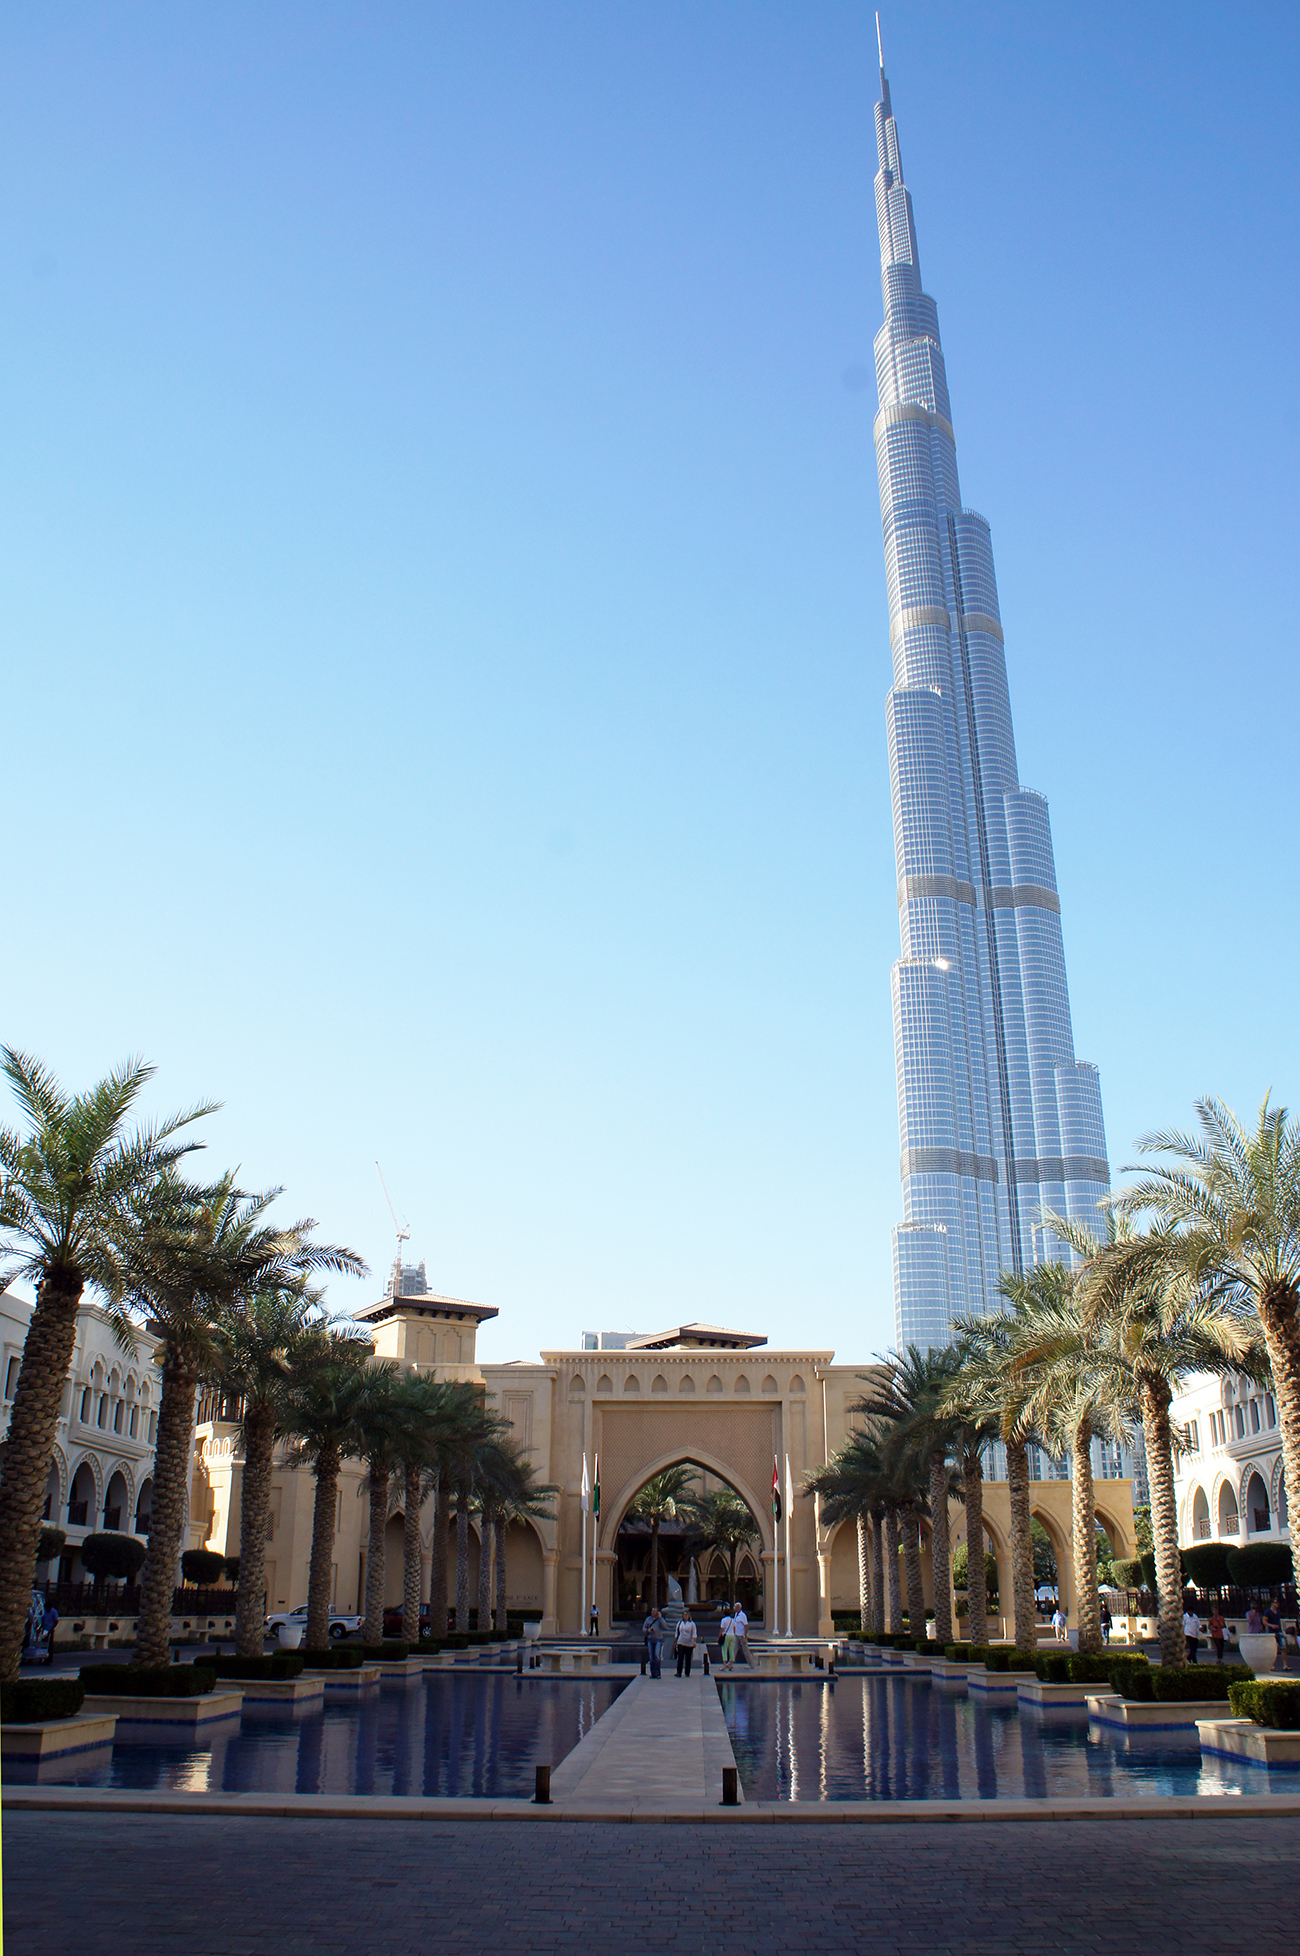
582, 1621
789, 1592
595, 1525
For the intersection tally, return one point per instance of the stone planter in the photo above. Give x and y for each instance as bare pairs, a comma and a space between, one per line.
1241, 1738
50, 1738
1148, 1715
1032, 1691
351, 1681
136, 1716
1259, 1650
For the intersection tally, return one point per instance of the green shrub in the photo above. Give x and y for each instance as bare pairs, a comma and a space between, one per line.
280, 1664
231, 1571
1185, 1684
334, 1657
149, 1680
1128, 1572
1005, 1657
1053, 1667
391, 1651
925, 1647
28, 1701
52, 1543
1258, 1564
1087, 1667
202, 1568
112, 1558
1275, 1705
1206, 1564
958, 1653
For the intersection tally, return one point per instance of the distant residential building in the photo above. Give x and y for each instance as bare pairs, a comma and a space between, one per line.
101, 1469
1229, 1479
608, 1341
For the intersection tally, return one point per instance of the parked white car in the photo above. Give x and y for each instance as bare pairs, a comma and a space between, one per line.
291, 1620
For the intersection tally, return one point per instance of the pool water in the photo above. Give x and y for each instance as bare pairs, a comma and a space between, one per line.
899, 1738
442, 1734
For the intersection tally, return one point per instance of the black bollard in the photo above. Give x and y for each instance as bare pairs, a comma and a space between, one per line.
542, 1787
643, 1664
706, 1660
730, 1787
519, 1662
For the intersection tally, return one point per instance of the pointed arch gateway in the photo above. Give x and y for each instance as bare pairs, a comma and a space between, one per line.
615, 1506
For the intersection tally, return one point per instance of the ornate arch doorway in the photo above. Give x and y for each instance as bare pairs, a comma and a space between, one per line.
675, 1548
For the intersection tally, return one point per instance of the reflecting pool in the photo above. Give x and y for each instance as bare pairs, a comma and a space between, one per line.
897, 1738
442, 1734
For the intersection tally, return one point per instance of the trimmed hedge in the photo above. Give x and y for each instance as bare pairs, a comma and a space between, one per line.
113, 1558
391, 1651
334, 1657
1005, 1657
1206, 1564
1274, 1705
925, 1647
1184, 1684
1104, 1667
1053, 1667
280, 1664
149, 1680
28, 1701
202, 1568
1258, 1564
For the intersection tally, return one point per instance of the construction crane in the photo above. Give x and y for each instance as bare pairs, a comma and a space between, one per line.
403, 1231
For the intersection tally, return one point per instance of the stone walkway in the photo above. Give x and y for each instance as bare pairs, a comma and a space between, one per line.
106, 1885
663, 1743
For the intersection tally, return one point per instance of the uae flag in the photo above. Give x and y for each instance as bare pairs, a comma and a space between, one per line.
595, 1487
776, 1492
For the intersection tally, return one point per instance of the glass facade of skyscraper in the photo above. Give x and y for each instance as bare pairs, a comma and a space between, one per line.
999, 1124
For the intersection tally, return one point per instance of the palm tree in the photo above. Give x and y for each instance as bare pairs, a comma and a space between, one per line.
894, 1400
1231, 1206
664, 1497
189, 1254
324, 1418
973, 1425
1067, 1362
64, 1186
438, 1411
723, 1521
986, 1389
1164, 1327
384, 1416
850, 1487
928, 1436
265, 1344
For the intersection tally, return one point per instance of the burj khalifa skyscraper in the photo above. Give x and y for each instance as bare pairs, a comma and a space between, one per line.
999, 1124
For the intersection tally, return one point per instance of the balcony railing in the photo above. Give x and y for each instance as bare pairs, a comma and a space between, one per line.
112, 1519
77, 1513
1230, 1525
1201, 1530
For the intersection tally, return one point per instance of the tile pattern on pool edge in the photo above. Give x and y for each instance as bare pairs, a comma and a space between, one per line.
664, 1743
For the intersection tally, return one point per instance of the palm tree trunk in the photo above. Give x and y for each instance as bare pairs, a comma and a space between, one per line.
877, 1574
484, 1571
171, 1471
940, 1549
895, 1625
438, 1559
864, 1577
1022, 1546
462, 1556
912, 1565
1154, 1398
1084, 1518
499, 1527
977, 1600
323, 1525
254, 1507
654, 1563
29, 1446
411, 1479
1279, 1316
372, 1632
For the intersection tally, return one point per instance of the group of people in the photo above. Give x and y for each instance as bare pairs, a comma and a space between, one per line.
1259, 1623
656, 1630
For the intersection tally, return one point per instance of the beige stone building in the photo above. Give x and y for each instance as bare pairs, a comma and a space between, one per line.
723, 1401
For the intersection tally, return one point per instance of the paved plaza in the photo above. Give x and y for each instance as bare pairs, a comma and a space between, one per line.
150, 1885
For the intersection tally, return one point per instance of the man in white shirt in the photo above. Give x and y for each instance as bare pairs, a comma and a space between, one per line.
739, 1625
727, 1640
1192, 1632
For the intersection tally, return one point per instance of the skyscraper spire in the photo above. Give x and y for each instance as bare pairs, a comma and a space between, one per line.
998, 1123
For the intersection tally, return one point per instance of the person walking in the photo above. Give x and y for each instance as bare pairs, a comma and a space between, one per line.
654, 1629
1273, 1629
727, 1639
594, 1630
1192, 1632
1059, 1623
684, 1640
1218, 1631
1106, 1621
739, 1627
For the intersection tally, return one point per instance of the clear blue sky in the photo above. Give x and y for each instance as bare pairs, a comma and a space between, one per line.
444, 617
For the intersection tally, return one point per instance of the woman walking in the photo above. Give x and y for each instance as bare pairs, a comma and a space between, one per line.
685, 1643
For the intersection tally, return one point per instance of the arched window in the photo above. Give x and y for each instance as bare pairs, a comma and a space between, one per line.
144, 1508
1200, 1515
81, 1500
117, 1416
86, 1405
134, 1421
153, 1427
1229, 1521
115, 1504
1258, 1518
